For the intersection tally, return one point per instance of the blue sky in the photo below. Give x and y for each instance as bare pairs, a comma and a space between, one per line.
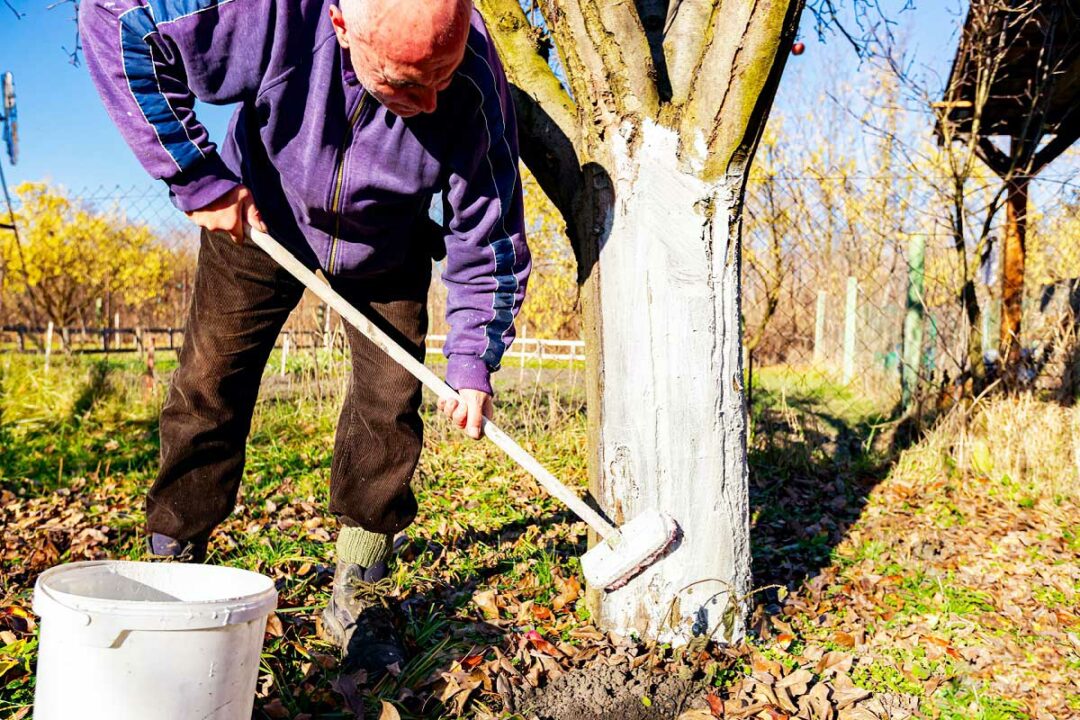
67, 138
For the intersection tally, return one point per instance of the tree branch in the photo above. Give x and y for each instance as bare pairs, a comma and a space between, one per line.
607, 57
517, 42
689, 23
548, 128
12, 8
627, 55
994, 158
653, 14
734, 85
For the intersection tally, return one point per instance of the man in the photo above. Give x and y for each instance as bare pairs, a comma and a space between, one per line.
350, 119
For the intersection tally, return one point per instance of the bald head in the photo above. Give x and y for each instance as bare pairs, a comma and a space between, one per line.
404, 52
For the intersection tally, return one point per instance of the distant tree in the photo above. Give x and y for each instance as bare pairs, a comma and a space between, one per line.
550, 309
68, 255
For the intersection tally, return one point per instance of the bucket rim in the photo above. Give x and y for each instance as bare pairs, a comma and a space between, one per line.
151, 614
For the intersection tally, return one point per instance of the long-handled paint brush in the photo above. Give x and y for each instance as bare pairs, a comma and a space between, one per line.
610, 564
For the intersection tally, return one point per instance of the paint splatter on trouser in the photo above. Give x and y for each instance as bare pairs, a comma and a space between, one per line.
240, 302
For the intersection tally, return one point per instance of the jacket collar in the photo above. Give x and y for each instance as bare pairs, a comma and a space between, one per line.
347, 72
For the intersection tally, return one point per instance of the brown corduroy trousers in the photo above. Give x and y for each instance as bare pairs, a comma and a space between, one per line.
240, 302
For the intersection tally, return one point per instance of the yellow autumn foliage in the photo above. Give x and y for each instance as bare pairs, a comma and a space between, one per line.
68, 255
550, 310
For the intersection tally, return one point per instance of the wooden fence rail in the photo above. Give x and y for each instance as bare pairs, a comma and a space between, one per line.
101, 340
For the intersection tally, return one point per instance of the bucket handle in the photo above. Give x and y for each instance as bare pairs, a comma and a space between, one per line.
99, 635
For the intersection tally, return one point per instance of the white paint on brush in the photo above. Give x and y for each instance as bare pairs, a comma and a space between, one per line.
673, 432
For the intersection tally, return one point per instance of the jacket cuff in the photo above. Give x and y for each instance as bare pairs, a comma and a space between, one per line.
201, 184
465, 372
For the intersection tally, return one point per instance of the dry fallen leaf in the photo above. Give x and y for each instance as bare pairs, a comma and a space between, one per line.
348, 687
485, 600
389, 712
716, 705
274, 628
843, 639
541, 644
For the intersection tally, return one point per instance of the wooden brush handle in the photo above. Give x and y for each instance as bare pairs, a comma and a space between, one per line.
433, 382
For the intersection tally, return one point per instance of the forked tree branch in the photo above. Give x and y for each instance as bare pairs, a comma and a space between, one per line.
607, 58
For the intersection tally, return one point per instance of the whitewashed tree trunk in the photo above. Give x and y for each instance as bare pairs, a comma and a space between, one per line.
646, 158
673, 426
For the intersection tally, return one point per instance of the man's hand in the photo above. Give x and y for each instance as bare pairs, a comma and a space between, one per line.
467, 414
229, 213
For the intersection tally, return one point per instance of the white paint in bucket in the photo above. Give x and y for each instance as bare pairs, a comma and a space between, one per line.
149, 641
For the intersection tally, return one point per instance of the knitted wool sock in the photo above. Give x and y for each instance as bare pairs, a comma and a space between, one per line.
357, 545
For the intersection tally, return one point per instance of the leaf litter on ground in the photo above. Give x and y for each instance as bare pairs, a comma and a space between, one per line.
950, 590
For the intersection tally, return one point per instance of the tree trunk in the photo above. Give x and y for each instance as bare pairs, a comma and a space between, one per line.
646, 160
672, 430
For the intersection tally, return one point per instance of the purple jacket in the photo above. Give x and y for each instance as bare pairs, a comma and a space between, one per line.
338, 179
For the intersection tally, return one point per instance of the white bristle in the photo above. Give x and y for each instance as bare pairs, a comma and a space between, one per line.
614, 562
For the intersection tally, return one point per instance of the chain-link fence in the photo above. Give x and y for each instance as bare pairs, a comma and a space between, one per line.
855, 290
859, 299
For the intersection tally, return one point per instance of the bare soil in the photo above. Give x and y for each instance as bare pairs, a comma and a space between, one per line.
602, 691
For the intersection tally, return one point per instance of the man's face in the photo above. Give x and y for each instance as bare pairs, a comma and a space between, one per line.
403, 59
404, 88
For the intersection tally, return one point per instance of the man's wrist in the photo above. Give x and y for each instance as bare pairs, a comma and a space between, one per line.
466, 372
201, 184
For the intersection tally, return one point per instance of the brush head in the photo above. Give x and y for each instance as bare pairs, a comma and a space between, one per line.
640, 543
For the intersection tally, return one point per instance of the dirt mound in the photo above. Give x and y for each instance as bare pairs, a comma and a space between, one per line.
600, 692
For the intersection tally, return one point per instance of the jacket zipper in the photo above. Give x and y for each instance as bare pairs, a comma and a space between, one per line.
336, 196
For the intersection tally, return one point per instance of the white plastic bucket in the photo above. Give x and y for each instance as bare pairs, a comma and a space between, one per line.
149, 641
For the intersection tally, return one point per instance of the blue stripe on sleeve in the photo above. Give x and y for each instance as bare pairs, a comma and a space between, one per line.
502, 246
136, 25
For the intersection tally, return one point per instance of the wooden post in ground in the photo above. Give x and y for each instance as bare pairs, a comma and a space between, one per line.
116, 331
913, 320
521, 367
819, 328
48, 344
850, 308
284, 352
1012, 270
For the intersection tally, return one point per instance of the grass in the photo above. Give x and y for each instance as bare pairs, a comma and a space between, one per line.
942, 577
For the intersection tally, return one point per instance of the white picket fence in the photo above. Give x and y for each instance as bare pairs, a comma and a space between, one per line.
126, 340
527, 348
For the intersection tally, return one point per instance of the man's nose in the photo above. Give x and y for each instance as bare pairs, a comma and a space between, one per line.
427, 101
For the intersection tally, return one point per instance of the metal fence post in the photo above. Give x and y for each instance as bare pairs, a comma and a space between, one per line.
913, 320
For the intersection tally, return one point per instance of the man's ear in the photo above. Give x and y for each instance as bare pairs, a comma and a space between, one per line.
337, 19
